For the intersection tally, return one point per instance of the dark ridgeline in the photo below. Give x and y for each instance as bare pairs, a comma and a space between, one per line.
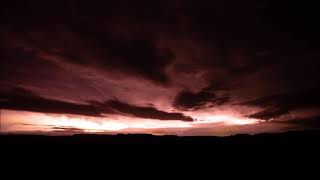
148, 141
131, 151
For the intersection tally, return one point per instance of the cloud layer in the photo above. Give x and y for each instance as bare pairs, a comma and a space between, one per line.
161, 60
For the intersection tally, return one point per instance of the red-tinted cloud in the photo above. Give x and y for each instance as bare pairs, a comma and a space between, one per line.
160, 59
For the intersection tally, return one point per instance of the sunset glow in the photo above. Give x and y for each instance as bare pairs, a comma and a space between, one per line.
158, 67
228, 120
14, 121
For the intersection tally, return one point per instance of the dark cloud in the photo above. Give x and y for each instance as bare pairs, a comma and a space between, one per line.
269, 113
48, 26
146, 112
67, 129
54, 128
125, 35
21, 99
138, 56
189, 100
310, 122
281, 104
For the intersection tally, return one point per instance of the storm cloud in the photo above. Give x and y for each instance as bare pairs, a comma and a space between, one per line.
21, 99
160, 59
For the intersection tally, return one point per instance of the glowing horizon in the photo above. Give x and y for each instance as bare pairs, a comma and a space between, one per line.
24, 121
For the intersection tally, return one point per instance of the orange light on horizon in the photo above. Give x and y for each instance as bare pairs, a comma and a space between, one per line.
14, 121
227, 119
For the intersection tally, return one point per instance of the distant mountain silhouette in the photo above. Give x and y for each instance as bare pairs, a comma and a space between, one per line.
135, 148
293, 138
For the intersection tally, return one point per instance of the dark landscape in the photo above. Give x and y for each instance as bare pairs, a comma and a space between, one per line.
296, 149
126, 79
306, 139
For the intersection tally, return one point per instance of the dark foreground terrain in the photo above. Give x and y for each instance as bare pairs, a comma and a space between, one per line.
269, 153
287, 147
295, 139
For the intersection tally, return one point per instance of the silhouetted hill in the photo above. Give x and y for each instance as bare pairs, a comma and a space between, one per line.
295, 138
132, 148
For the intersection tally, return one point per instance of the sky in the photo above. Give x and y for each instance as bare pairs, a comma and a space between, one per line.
178, 67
